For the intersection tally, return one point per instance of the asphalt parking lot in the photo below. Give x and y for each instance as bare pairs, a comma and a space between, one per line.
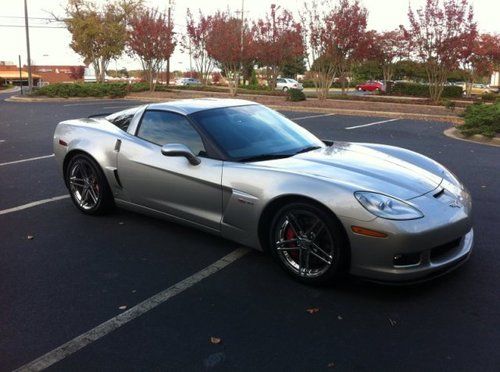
63, 273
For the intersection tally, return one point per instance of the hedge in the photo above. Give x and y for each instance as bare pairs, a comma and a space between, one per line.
83, 90
422, 90
481, 118
295, 95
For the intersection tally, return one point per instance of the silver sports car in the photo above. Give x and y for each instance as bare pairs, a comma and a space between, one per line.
245, 172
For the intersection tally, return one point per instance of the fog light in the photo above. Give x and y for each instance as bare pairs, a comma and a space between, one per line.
405, 260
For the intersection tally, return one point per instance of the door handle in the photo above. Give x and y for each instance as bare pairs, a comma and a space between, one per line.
118, 144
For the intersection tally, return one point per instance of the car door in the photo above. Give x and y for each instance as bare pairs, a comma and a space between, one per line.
280, 83
170, 184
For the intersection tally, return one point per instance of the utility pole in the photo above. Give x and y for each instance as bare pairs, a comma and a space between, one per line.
169, 25
30, 80
241, 38
20, 75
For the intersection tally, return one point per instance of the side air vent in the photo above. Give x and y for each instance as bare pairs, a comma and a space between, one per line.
439, 193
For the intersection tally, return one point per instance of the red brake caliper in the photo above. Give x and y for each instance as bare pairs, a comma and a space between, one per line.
289, 235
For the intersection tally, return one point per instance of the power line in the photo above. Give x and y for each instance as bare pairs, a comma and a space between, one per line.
44, 18
32, 26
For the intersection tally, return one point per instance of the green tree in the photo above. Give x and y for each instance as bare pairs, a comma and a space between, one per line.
294, 67
99, 33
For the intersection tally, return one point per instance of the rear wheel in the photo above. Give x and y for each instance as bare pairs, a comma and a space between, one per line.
308, 243
88, 186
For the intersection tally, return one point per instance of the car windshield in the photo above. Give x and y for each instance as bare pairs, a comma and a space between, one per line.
254, 132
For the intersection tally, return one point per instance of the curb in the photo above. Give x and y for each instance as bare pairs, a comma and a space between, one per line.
56, 99
476, 138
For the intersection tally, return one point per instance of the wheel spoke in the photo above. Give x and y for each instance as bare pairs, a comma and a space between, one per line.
316, 228
283, 242
321, 254
303, 262
93, 195
294, 223
77, 182
288, 249
83, 196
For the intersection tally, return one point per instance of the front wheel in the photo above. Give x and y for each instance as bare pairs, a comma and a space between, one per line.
88, 186
285, 89
308, 243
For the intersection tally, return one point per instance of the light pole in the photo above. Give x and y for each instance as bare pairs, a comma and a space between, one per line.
30, 80
169, 25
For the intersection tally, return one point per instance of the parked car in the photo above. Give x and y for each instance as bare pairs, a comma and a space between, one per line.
480, 89
286, 83
187, 81
371, 86
244, 172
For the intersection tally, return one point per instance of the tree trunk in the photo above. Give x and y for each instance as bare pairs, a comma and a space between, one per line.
103, 71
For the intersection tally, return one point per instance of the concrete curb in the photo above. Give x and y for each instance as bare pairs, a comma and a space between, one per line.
476, 138
57, 99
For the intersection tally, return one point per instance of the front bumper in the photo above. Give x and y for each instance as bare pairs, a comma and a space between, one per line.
415, 250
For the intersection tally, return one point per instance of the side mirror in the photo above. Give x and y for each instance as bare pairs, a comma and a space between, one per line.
176, 149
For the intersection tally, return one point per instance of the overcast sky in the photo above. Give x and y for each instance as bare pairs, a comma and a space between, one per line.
51, 45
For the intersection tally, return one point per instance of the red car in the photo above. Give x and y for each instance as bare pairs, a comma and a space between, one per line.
370, 86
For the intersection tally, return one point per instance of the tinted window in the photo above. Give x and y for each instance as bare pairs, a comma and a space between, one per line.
122, 119
281, 81
248, 131
162, 127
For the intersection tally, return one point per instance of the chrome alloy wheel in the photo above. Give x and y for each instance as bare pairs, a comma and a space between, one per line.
84, 185
304, 244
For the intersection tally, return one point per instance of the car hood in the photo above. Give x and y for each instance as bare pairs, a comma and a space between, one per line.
364, 168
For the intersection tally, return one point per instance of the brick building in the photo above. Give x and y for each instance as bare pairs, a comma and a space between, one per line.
47, 74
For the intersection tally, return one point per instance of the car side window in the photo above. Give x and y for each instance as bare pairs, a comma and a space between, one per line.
162, 127
281, 80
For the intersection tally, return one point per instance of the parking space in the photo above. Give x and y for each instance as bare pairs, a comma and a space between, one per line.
63, 274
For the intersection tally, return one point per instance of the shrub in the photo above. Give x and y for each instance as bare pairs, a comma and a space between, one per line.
449, 104
83, 90
139, 87
491, 97
295, 95
422, 90
482, 119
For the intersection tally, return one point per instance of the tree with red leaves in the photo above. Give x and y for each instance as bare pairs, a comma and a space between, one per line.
387, 48
77, 72
336, 38
483, 60
152, 39
195, 40
278, 39
224, 46
441, 34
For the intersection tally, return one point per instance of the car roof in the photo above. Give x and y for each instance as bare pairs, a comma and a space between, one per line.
190, 106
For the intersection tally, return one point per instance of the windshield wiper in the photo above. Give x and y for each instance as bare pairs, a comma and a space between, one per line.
264, 157
307, 149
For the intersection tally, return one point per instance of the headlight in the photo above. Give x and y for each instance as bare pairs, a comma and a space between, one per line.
386, 207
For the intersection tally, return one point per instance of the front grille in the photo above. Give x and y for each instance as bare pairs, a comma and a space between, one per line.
442, 251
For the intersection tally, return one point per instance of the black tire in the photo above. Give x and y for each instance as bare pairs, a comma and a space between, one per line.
97, 182
332, 229
285, 89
